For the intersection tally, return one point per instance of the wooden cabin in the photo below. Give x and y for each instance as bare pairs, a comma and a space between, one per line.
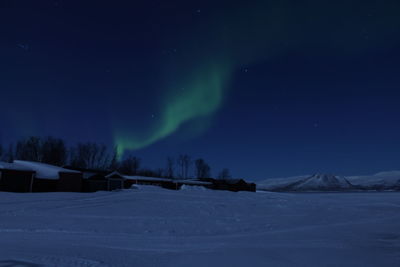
115, 181
234, 185
49, 178
93, 180
15, 179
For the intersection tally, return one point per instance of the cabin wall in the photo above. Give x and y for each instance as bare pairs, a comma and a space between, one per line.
91, 186
44, 185
70, 182
115, 184
15, 181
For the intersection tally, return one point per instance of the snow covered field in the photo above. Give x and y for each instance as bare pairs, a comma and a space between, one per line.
157, 227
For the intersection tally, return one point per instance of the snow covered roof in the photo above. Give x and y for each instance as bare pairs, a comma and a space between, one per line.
323, 182
192, 182
115, 174
13, 166
88, 175
44, 171
156, 179
149, 179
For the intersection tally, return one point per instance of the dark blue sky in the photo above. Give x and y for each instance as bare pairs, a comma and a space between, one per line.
291, 88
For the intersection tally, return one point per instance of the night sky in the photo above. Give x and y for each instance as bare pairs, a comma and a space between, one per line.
265, 88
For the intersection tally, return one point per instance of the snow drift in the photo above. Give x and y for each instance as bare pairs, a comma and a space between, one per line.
157, 227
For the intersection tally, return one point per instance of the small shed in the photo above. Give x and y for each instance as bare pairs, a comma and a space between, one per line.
93, 180
115, 181
233, 185
15, 178
51, 178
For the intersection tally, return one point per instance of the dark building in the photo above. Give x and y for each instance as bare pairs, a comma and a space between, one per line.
234, 185
115, 181
70, 182
15, 179
93, 180
49, 178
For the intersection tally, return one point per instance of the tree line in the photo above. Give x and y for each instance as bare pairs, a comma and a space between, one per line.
96, 156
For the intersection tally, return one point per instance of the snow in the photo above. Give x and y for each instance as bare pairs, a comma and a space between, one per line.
155, 179
322, 182
381, 180
151, 226
115, 174
279, 182
43, 171
150, 179
190, 187
13, 166
192, 182
316, 182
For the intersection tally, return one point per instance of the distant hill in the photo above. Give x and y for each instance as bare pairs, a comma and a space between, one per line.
379, 181
382, 181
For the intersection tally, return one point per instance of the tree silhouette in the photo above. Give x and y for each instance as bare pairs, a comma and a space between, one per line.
169, 172
203, 170
29, 149
54, 151
130, 165
90, 156
184, 162
224, 174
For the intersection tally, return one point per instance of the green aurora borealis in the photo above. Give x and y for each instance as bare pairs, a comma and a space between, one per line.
200, 99
222, 43
212, 53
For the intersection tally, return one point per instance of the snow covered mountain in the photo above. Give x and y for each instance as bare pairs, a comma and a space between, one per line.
379, 181
325, 182
322, 182
316, 182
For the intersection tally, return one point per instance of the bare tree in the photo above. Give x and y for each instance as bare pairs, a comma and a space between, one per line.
203, 170
53, 151
29, 149
90, 156
114, 164
224, 174
160, 172
130, 165
170, 168
184, 162
49, 150
9, 155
